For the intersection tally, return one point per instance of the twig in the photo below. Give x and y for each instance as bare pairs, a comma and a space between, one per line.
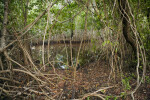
18, 70
7, 92
3, 78
34, 91
92, 94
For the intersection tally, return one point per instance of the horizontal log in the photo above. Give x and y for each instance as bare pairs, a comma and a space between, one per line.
53, 42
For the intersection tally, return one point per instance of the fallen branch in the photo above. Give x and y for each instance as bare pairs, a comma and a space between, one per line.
3, 78
18, 70
96, 93
5, 91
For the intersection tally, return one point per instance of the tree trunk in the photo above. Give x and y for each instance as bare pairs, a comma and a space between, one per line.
26, 42
148, 16
126, 25
72, 33
3, 33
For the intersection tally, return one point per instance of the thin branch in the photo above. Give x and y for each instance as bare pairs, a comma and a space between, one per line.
3, 78
113, 7
5, 91
44, 37
26, 72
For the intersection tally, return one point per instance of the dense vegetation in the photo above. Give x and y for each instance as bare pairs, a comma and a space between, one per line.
119, 36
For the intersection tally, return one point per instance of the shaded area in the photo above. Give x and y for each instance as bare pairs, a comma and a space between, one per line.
53, 42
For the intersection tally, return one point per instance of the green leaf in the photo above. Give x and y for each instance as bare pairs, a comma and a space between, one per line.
88, 98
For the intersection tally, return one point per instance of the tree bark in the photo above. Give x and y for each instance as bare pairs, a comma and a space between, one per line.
3, 33
26, 42
72, 33
126, 25
4, 29
148, 16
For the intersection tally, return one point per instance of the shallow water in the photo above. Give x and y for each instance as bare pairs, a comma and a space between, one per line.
61, 55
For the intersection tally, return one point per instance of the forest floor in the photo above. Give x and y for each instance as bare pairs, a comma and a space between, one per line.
93, 80
93, 77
